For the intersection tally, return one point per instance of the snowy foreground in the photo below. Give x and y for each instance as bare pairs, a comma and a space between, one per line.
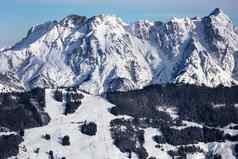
101, 146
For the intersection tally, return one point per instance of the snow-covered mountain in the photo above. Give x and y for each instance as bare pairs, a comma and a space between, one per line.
43, 117
102, 53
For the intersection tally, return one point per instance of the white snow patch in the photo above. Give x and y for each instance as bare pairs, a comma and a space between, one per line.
224, 149
150, 144
168, 109
218, 105
53, 108
8, 133
187, 124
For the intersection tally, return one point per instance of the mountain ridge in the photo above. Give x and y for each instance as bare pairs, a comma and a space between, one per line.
102, 53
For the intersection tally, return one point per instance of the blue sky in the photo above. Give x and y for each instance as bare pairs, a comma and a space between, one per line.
17, 16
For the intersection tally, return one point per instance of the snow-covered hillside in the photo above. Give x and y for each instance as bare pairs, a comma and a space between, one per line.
93, 109
121, 135
102, 53
101, 146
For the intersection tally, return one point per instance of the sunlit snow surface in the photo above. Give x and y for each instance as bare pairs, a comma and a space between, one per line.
82, 146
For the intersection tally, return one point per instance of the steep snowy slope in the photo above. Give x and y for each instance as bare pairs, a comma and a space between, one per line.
102, 53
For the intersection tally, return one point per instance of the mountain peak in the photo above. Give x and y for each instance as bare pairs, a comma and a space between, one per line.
219, 14
73, 20
216, 12
107, 18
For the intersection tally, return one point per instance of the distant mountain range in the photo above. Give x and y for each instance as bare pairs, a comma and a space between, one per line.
102, 53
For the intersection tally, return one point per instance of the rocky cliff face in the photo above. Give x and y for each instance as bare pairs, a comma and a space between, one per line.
103, 53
